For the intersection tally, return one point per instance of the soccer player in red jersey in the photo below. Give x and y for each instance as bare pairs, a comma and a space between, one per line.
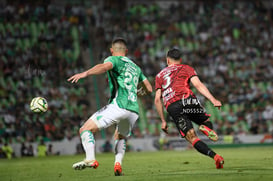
173, 86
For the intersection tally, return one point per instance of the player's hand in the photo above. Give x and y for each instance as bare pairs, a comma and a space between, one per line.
75, 78
217, 104
164, 127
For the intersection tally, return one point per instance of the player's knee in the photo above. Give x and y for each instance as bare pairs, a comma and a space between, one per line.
91, 128
119, 136
191, 136
208, 123
81, 130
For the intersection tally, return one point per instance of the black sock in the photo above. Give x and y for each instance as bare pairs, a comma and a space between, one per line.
208, 124
203, 148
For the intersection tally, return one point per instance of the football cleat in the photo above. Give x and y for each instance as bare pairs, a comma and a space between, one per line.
118, 169
219, 161
86, 163
212, 135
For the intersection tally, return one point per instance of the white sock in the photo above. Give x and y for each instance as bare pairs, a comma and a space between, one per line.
120, 147
88, 142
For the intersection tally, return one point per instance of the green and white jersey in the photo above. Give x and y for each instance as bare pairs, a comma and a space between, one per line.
123, 81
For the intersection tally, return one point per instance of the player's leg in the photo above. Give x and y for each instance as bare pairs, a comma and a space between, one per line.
203, 148
185, 128
103, 118
87, 132
123, 131
200, 117
120, 148
207, 129
199, 145
208, 124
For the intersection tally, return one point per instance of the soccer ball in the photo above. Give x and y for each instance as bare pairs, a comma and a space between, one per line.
38, 105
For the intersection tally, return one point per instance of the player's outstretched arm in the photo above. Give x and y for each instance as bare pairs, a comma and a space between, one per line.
205, 92
97, 69
148, 85
159, 108
144, 88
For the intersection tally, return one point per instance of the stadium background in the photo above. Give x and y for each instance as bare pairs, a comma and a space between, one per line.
43, 42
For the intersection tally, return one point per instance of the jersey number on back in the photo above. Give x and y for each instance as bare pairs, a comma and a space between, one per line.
167, 80
130, 83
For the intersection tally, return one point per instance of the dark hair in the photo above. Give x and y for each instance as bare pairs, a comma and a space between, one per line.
174, 53
119, 40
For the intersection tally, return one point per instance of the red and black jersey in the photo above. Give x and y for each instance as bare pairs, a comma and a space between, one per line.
174, 81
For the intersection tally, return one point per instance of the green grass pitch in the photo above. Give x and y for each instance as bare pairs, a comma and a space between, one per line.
245, 163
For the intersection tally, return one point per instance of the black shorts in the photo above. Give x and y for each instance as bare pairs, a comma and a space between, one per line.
186, 111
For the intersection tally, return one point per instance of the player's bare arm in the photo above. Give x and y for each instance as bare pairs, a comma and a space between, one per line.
159, 108
148, 88
204, 91
148, 85
96, 70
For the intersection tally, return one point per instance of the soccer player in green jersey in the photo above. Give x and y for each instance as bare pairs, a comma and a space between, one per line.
124, 76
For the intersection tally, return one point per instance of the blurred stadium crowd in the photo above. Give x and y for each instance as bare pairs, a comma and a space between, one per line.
229, 43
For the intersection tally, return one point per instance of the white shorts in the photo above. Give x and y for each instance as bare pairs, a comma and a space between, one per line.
112, 114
